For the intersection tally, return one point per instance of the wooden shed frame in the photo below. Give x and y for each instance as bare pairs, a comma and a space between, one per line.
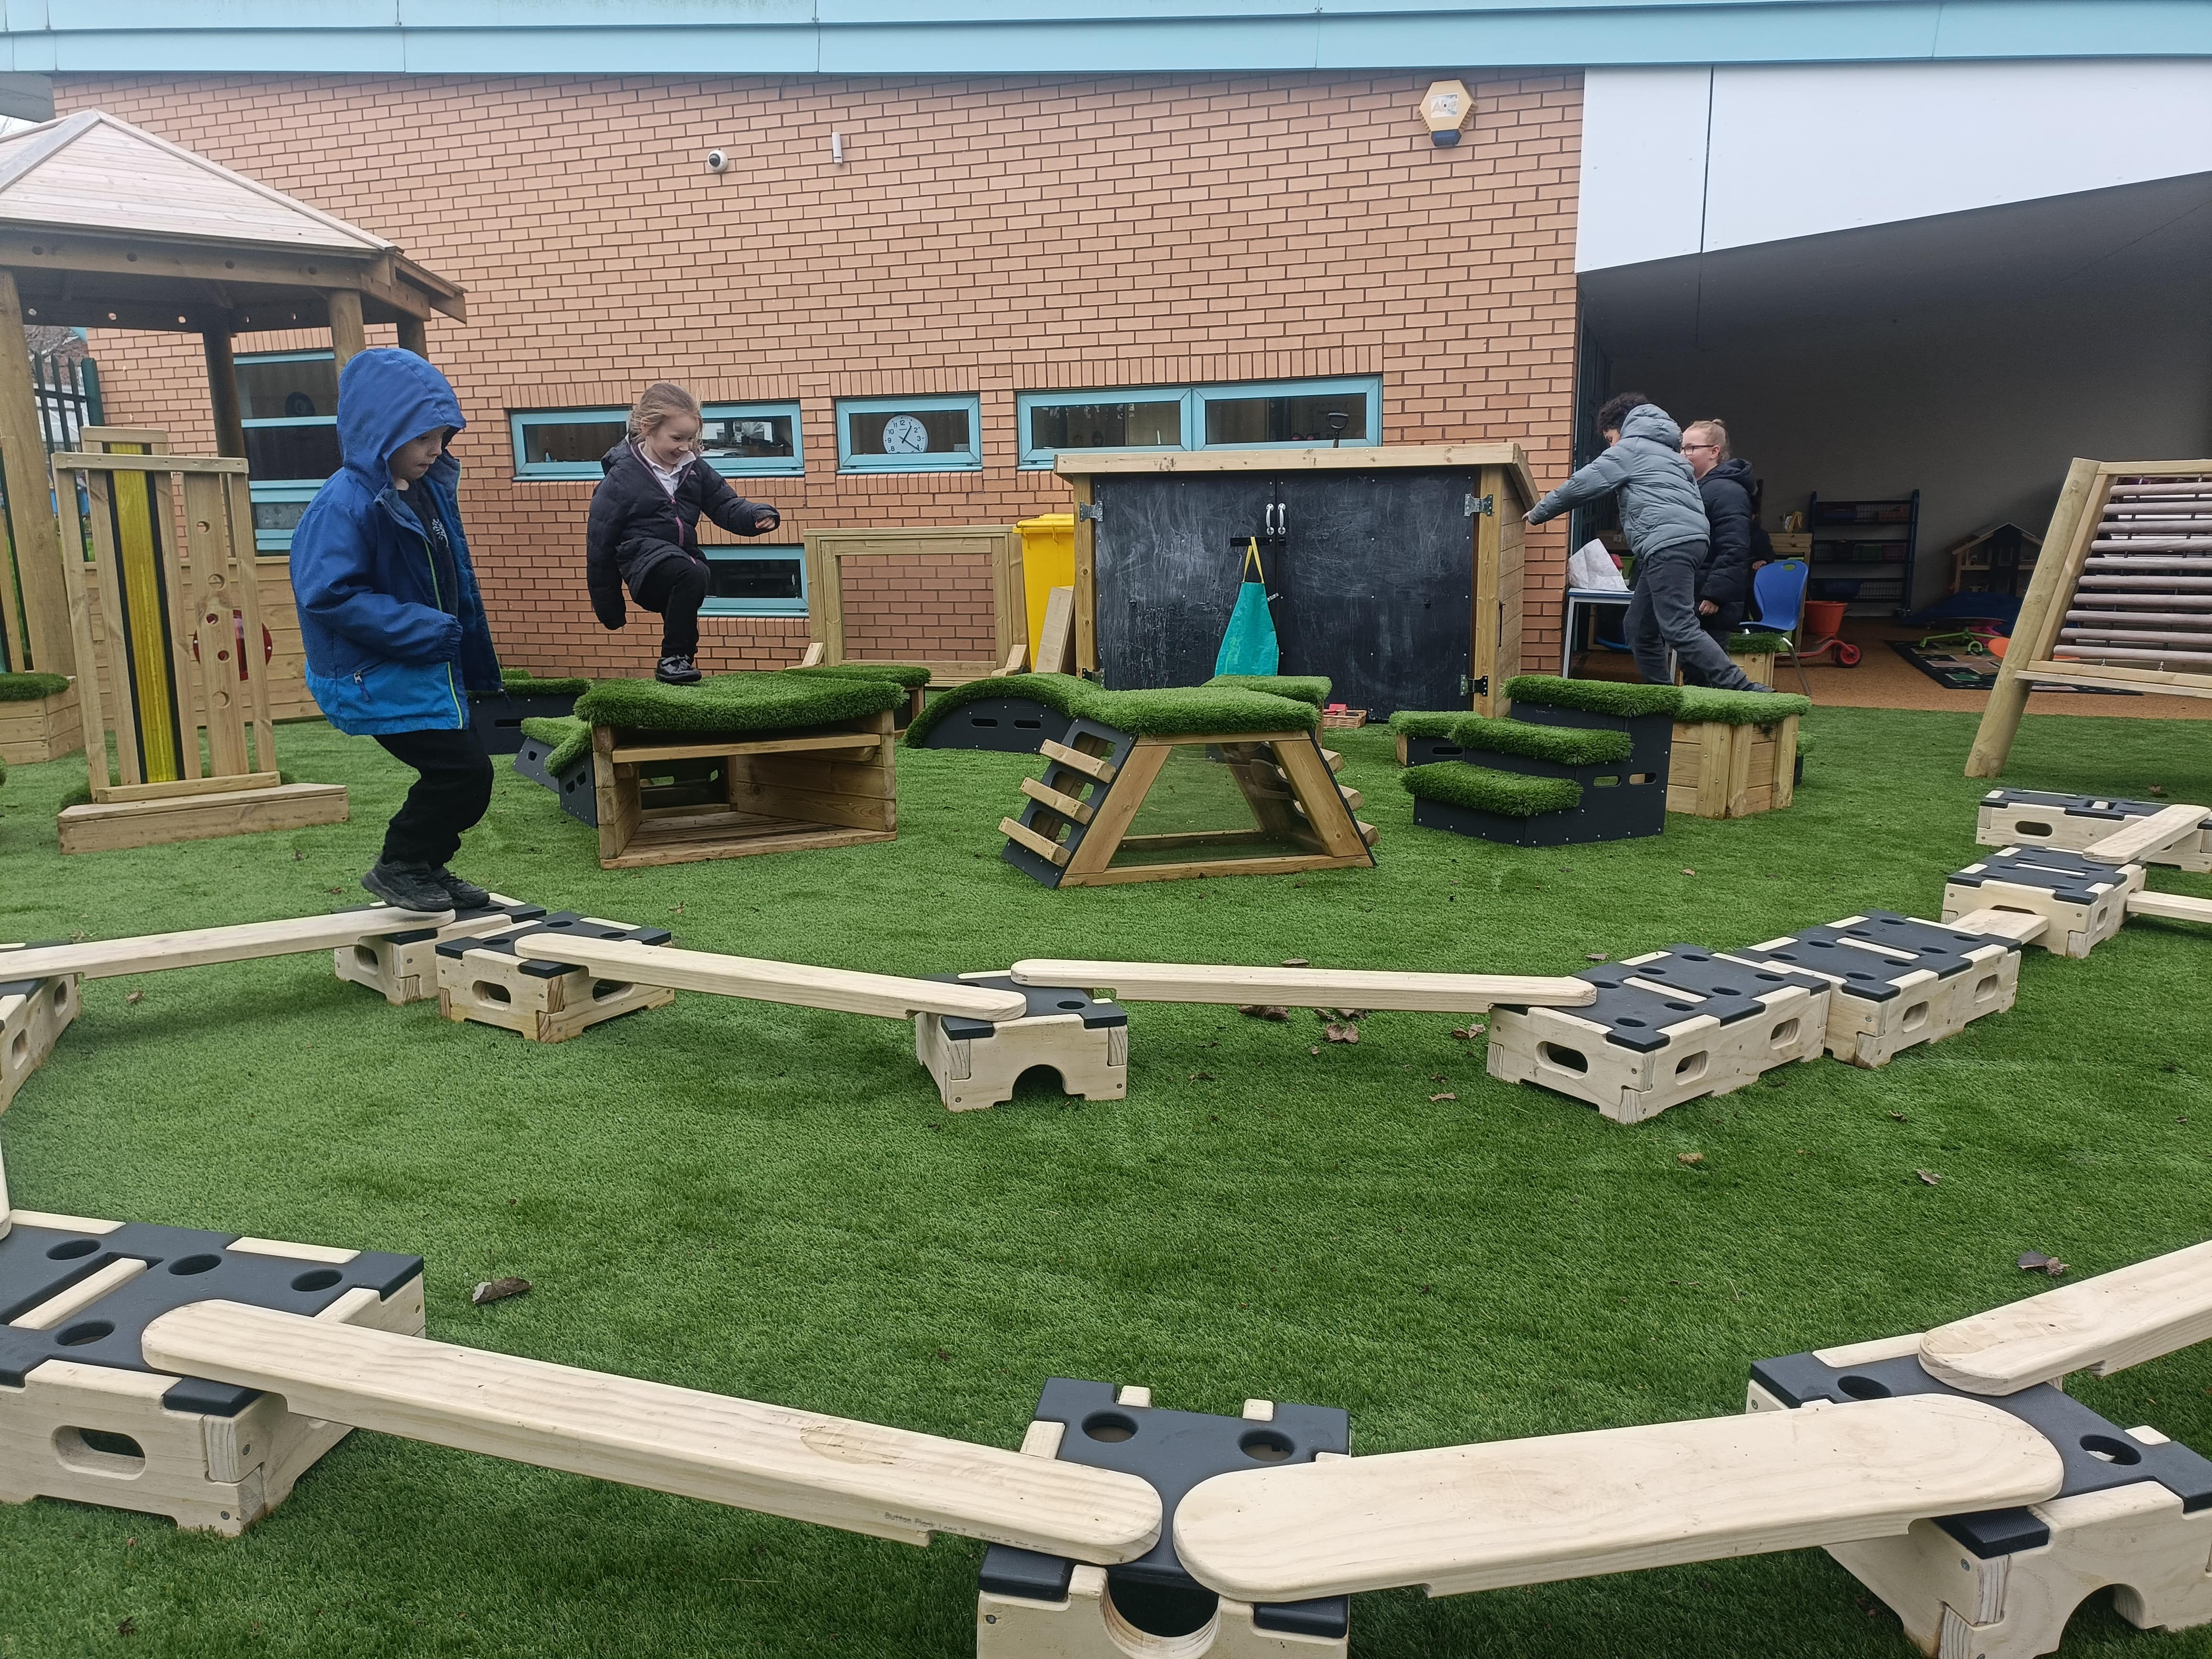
105, 225
1507, 492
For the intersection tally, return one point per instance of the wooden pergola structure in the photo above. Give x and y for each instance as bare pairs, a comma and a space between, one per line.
104, 225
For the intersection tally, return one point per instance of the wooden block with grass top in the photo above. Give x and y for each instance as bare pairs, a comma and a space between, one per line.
1035, 1605
175, 625
1571, 778
2134, 1510
1734, 752
33, 1013
490, 980
38, 719
2028, 818
1198, 780
86, 1418
2084, 899
834, 1472
402, 966
148, 953
1898, 982
1308, 988
1512, 1512
797, 759
1666, 1027
1082, 1044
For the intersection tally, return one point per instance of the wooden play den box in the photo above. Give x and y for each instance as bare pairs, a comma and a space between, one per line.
42, 728
1720, 770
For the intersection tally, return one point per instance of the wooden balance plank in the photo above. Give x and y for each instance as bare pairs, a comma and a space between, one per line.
886, 995
2161, 832
1308, 988
1481, 1517
2173, 907
153, 952
888, 1483
2005, 924
2101, 1325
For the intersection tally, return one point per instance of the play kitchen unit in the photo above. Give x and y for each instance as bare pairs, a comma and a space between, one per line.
1396, 571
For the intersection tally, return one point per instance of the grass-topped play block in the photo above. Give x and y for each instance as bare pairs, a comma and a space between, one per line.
1530, 783
38, 719
1157, 785
497, 716
737, 764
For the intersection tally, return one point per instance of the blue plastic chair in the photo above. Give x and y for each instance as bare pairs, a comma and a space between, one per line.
1779, 590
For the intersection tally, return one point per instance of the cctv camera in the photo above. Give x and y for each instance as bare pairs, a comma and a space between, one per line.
717, 160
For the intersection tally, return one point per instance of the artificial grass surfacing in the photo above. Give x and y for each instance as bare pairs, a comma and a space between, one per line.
1563, 746
769, 1201
1172, 711
1594, 696
570, 737
30, 688
1701, 704
767, 702
1485, 789
912, 676
1304, 688
521, 682
1426, 722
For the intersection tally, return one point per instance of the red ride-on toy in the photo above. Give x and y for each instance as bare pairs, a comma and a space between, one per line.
1824, 620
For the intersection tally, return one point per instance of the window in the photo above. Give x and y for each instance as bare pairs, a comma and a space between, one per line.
738, 440
755, 581
287, 403
909, 435
1290, 413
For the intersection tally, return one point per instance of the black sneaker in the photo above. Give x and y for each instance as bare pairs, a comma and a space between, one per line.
677, 671
408, 887
466, 895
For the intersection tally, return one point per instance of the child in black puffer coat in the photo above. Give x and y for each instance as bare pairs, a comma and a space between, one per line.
644, 527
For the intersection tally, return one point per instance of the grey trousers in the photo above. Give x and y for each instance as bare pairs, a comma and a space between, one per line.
1663, 611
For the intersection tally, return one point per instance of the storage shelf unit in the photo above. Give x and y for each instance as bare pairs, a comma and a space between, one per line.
1872, 543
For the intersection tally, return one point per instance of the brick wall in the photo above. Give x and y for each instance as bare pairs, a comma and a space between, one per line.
986, 235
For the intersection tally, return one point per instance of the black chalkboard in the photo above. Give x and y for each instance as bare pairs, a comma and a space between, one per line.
1373, 575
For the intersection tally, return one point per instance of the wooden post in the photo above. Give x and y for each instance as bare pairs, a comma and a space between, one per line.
415, 337
349, 335
222, 394
31, 515
2032, 633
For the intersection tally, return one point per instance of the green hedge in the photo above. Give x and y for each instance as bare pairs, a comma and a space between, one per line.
1562, 745
568, 739
772, 701
1302, 688
1701, 704
1508, 794
521, 682
1594, 696
29, 688
911, 676
1172, 711
1426, 723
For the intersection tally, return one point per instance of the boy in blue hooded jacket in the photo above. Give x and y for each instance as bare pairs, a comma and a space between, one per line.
392, 622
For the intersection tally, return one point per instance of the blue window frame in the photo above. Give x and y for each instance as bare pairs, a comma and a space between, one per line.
910, 435
752, 581
288, 404
1252, 415
739, 439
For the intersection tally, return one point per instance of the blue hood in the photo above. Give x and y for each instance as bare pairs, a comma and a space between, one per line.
386, 397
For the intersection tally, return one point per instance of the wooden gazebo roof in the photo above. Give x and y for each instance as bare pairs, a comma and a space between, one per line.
107, 226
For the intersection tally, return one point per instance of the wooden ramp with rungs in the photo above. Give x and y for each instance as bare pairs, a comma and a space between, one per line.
2029, 817
861, 1477
1898, 982
1510, 1512
1237, 804
1666, 1027
150, 953
2121, 598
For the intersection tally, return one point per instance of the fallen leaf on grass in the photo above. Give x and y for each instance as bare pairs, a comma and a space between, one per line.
2156, 789
1342, 1013
1901, 1117
2033, 1262
1262, 1010
1315, 1050
1689, 1158
1433, 1099
1596, 955
1928, 1175
128, 1627
498, 1290
135, 996
334, 889
1202, 1077
1689, 872
1464, 1032
1295, 962
1334, 1033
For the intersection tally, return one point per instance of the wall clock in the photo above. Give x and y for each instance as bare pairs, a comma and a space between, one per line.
905, 435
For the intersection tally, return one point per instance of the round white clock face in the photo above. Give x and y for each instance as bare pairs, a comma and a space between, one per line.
904, 436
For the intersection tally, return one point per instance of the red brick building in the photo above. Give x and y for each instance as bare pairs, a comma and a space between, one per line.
1237, 247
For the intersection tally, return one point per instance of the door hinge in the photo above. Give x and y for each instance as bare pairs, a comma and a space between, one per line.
1478, 504
1471, 688
1094, 511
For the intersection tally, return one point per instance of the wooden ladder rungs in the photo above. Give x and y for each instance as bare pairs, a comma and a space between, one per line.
1090, 765
1067, 805
1023, 835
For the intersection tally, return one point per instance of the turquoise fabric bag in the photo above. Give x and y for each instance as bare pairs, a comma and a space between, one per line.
1248, 645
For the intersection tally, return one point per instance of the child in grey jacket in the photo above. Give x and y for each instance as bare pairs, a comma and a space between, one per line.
1664, 519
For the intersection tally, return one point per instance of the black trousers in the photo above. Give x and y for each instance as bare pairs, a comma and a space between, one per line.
452, 794
1719, 628
676, 588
